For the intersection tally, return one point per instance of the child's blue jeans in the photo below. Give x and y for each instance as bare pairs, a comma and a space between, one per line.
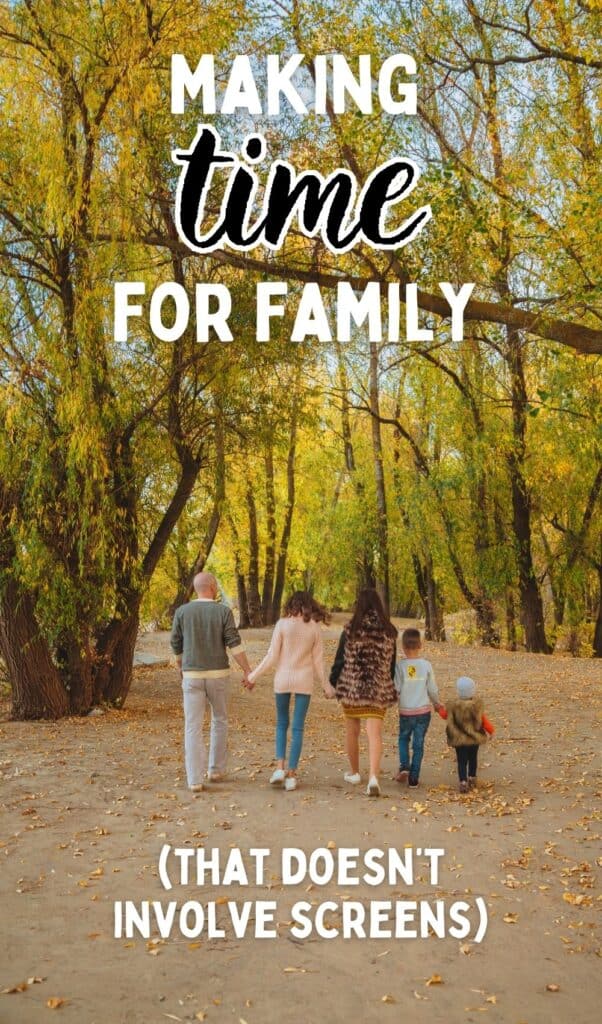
414, 728
283, 701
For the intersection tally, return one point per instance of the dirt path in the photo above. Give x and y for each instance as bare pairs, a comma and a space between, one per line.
88, 804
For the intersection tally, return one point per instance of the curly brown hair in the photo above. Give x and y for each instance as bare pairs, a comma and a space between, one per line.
302, 603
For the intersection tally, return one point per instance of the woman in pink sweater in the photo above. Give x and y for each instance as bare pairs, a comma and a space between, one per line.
295, 653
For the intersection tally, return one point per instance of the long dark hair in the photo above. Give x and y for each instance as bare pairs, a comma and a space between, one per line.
302, 603
369, 604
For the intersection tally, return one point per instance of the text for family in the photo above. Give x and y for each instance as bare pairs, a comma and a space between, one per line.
385, 312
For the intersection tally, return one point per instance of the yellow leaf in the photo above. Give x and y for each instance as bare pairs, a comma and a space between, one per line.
387, 999
435, 979
55, 1002
553, 988
510, 918
577, 900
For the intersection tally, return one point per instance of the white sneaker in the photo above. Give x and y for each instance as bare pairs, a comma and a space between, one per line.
197, 789
290, 783
277, 777
373, 787
353, 777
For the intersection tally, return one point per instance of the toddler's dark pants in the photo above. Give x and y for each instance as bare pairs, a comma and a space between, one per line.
467, 761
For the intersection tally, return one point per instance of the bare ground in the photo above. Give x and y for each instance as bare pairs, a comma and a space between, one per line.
88, 803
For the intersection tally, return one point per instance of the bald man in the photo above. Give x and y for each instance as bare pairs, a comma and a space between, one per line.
202, 635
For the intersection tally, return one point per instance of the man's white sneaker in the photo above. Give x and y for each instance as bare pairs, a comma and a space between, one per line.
277, 777
373, 787
353, 777
290, 783
197, 789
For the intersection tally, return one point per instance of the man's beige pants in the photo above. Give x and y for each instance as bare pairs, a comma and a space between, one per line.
197, 692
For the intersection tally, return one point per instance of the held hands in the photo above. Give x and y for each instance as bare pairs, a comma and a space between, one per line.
330, 692
246, 682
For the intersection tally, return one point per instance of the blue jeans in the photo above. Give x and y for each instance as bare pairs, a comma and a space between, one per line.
283, 701
412, 727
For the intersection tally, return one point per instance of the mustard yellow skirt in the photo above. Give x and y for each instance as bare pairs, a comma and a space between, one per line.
367, 711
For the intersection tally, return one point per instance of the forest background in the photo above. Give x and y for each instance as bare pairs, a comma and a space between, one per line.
455, 476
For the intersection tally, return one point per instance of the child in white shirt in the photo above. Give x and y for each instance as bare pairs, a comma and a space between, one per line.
415, 683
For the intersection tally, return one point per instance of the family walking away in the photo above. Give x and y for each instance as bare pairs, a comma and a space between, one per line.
366, 678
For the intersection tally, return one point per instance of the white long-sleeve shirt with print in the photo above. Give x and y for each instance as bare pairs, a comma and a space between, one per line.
416, 686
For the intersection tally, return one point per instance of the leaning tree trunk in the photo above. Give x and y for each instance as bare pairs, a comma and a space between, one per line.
115, 658
36, 686
116, 643
37, 689
185, 588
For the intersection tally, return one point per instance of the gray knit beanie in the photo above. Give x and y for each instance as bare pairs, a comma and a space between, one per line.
466, 687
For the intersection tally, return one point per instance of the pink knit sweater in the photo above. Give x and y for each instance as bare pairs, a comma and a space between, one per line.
296, 654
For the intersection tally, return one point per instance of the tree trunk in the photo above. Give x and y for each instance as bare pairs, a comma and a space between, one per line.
267, 596
428, 591
511, 640
37, 689
365, 561
244, 620
434, 603
253, 596
115, 657
485, 617
597, 642
556, 576
532, 616
76, 666
186, 577
186, 580
116, 642
288, 517
382, 567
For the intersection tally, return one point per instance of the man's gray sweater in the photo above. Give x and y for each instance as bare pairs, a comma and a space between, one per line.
201, 633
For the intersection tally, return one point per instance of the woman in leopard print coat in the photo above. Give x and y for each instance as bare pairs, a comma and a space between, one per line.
362, 674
